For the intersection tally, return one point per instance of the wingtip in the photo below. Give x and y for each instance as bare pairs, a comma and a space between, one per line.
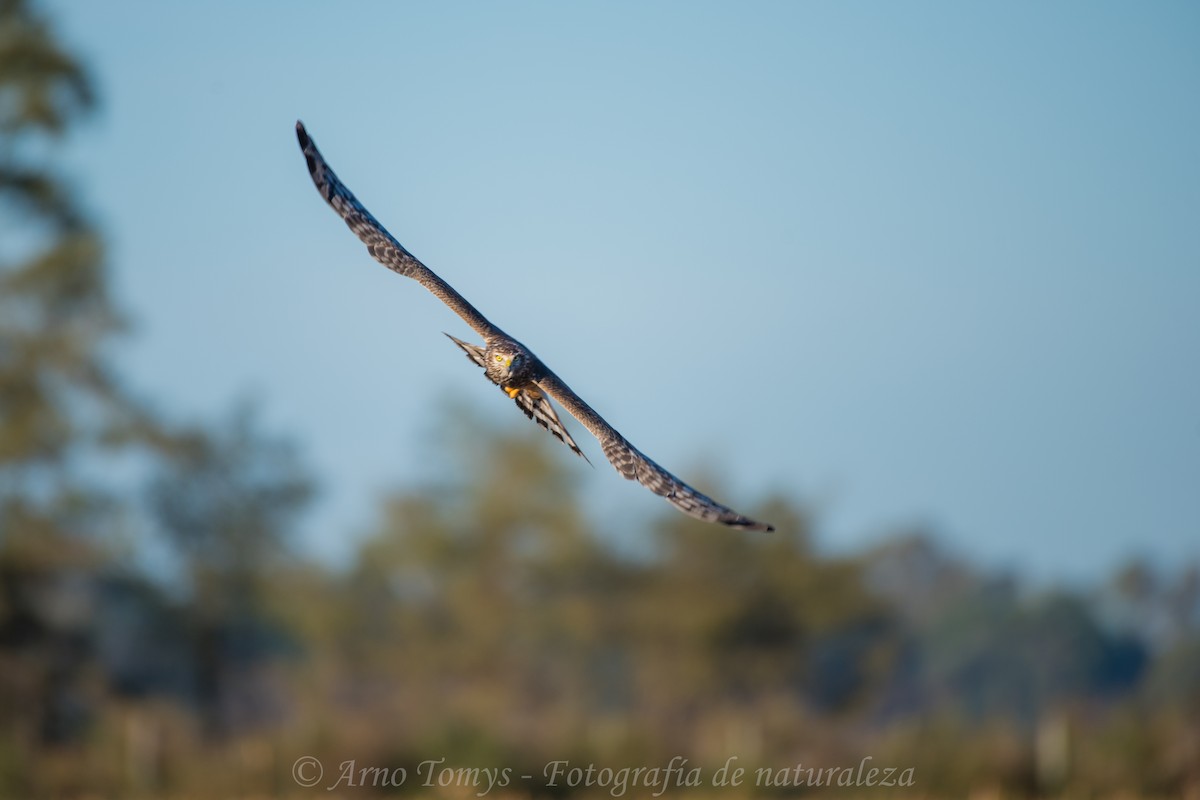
301, 134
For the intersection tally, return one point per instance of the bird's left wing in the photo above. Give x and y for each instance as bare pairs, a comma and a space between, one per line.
634, 465
381, 244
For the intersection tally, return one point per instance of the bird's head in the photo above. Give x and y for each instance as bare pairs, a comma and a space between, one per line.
504, 362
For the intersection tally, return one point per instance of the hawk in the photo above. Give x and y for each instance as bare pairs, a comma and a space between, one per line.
511, 365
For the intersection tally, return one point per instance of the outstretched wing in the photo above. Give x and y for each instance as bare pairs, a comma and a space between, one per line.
630, 462
533, 402
381, 244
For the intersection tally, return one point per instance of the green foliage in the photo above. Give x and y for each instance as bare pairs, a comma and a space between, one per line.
57, 396
54, 309
42, 88
225, 502
225, 499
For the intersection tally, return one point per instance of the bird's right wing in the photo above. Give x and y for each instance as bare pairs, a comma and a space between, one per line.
634, 465
381, 244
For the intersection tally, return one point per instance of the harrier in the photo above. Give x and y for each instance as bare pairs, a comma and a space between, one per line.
510, 364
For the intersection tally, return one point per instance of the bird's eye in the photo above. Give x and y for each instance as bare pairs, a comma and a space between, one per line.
499, 357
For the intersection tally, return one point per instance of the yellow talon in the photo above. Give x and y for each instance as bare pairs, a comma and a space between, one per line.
511, 392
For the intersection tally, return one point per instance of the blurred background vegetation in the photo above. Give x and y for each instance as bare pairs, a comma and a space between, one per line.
162, 635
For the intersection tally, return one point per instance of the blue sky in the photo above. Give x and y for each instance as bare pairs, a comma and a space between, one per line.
917, 264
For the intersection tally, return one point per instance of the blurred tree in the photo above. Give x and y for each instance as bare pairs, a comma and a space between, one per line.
487, 609
57, 392
994, 653
762, 626
916, 576
227, 500
1157, 605
60, 403
471, 601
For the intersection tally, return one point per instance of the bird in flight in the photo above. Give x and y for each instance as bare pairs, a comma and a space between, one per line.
511, 365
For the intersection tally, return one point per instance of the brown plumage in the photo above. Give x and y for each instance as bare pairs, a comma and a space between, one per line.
511, 365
